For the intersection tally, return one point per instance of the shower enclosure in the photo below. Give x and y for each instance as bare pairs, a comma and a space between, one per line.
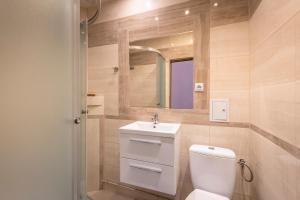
147, 76
83, 86
40, 82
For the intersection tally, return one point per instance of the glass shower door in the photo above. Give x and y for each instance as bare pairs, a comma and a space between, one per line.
84, 111
161, 81
38, 64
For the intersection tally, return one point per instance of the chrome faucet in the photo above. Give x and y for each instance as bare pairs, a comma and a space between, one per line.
155, 118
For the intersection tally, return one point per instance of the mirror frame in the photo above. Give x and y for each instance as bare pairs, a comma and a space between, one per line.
200, 27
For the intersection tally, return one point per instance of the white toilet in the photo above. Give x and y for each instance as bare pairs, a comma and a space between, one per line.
213, 172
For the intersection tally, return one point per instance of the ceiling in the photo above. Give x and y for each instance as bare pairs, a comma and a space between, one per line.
91, 3
88, 3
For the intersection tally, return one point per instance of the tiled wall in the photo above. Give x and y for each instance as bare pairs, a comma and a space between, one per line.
275, 68
230, 68
270, 69
142, 86
228, 137
102, 79
277, 173
275, 97
229, 78
92, 155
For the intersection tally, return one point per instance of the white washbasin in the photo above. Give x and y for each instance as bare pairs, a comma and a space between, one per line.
148, 128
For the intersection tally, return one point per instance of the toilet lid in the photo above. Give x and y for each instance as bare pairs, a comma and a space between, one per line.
204, 195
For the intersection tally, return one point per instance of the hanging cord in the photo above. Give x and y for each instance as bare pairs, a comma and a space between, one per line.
243, 164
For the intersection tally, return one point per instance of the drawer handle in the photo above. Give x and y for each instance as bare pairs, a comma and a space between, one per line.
153, 169
146, 141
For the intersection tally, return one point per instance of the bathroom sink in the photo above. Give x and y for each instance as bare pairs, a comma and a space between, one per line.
148, 155
149, 128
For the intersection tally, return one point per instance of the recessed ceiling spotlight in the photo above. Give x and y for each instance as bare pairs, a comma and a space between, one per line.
148, 4
216, 4
156, 18
186, 12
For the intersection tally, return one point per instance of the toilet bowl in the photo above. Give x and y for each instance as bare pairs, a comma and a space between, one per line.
213, 171
204, 195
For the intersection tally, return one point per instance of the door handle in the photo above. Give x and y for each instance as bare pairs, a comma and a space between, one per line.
146, 141
153, 169
77, 120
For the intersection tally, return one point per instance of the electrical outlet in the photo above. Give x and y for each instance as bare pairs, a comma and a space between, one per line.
199, 87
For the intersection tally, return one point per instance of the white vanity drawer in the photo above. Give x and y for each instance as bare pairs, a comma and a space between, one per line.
152, 176
147, 148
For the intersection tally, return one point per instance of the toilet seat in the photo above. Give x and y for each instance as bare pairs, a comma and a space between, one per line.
204, 195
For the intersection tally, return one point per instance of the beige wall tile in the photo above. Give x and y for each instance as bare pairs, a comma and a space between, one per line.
230, 73
229, 48
193, 134
276, 171
109, 52
297, 114
274, 39
230, 68
269, 16
92, 155
274, 72
101, 77
230, 40
273, 110
111, 153
232, 138
298, 181
291, 169
111, 173
236, 139
274, 60
268, 173
142, 86
297, 25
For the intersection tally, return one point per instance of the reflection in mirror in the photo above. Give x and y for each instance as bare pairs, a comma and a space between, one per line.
161, 72
147, 77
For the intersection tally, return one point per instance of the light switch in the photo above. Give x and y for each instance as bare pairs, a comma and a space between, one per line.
219, 110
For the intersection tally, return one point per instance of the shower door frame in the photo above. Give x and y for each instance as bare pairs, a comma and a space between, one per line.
79, 75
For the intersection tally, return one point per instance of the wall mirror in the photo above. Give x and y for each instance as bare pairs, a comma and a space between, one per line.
162, 72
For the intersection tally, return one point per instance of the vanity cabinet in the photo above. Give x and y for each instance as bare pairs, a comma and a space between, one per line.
150, 159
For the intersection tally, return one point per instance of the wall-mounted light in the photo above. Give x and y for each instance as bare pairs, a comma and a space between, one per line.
216, 4
156, 18
187, 12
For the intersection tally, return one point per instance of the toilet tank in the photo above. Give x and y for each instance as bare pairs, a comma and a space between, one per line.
213, 169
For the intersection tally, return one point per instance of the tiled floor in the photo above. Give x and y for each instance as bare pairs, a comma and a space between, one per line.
106, 195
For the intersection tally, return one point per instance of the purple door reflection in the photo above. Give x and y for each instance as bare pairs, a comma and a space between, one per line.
182, 84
